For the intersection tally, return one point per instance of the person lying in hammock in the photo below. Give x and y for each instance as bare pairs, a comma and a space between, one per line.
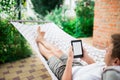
61, 64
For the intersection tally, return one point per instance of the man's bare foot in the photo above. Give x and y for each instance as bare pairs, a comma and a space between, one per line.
40, 36
39, 30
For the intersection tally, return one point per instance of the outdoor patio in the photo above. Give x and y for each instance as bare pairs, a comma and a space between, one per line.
26, 69
105, 24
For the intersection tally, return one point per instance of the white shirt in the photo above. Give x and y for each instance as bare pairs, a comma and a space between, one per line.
89, 72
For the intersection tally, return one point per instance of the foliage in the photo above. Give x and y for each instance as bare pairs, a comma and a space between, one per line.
81, 26
11, 8
6, 7
12, 45
57, 16
69, 26
85, 16
43, 6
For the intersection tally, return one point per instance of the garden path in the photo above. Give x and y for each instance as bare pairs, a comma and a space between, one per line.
26, 69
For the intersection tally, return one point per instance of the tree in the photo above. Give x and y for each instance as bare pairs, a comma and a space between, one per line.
44, 6
6, 6
85, 17
12, 44
12, 8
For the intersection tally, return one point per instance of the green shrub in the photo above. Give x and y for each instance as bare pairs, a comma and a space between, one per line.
6, 6
55, 16
69, 27
12, 45
85, 16
43, 6
81, 26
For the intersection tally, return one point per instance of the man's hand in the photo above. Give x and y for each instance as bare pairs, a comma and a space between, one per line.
70, 56
86, 57
67, 75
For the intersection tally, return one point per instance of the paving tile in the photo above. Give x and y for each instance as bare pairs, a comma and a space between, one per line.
38, 78
34, 61
32, 70
24, 74
43, 69
16, 78
5, 65
1, 75
10, 76
3, 70
44, 76
21, 66
12, 70
48, 79
24, 78
10, 66
6, 72
36, 68
32, 65
40, 66
19, 71
26, 69
23, 61
16, 64
37, 73
28, 60
2, 78
31, 77
47, 74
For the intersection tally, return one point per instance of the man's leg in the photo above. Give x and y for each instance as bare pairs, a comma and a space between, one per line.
48, 51
45, 52
55, 64
57, 52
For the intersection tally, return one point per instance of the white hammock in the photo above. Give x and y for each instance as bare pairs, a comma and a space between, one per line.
56, 36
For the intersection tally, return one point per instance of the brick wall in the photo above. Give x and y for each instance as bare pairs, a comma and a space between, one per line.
106, 21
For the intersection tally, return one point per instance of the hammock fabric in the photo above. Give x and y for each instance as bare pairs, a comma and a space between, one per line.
55, 36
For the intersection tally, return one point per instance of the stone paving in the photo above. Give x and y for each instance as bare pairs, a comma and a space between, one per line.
26, 69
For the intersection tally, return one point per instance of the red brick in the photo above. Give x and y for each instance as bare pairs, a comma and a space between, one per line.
106, 21
114, 1
106, 1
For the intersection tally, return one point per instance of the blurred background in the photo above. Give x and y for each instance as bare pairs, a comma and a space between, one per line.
75, 17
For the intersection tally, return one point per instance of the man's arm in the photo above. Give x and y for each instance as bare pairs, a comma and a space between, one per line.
87, 58
67, 75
